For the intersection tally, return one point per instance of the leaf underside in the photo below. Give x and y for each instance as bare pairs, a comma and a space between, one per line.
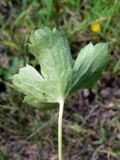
60, 75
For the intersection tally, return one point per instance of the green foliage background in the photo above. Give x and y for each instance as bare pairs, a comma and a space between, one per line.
18, 18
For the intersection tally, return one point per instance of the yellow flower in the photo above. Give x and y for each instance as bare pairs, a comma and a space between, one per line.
95, 27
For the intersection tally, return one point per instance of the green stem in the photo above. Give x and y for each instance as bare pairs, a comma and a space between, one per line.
61, 107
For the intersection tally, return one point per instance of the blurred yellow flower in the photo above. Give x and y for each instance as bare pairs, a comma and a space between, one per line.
95, 27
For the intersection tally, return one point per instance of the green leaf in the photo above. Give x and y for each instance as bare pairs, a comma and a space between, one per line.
59, 75
52, 51
116, 68
89, 65
41, 106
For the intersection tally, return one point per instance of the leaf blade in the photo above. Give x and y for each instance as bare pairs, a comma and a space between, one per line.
31, 83
54, 57
89, 65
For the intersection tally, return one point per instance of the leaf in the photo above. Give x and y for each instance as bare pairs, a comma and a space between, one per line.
52, 51
30, 82
59, 76
116, 68
41, 106
89, 65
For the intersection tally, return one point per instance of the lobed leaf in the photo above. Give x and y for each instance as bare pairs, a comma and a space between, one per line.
59, 76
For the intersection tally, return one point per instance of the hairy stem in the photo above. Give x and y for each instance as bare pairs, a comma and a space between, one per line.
61, 107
